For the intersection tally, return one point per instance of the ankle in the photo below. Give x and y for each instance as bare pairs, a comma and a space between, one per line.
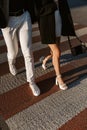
44, 61
60, 82
58, 76
35, 89
59, 79
31, 83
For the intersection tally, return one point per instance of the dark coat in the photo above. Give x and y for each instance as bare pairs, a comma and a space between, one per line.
67, 22
3, 21
4, 11
29, 6
45, 12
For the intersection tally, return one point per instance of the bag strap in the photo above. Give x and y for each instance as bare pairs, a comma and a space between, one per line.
82, 43
69, 40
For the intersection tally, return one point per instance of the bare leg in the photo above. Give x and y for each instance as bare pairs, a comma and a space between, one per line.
45, 61
56, 62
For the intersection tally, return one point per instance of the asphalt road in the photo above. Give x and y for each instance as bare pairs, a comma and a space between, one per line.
77, 3
79, 10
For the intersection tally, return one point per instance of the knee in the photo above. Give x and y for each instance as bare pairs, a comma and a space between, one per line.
28, 54
11, 55
56, 53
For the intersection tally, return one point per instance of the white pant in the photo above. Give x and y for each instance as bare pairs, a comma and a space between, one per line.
20, 28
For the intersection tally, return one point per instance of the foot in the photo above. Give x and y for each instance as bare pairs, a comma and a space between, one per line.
60, 82
44, 66
12, 69
43, 60
44, 63
35, 89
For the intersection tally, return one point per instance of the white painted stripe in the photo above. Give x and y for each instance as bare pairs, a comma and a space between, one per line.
35, 25
79, 32
35, 33
82, 31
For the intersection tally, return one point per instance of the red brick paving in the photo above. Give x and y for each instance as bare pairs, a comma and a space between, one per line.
79, 122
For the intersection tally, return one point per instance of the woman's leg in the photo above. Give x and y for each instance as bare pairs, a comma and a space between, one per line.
56, 63
55, 57
47, 58
45, 61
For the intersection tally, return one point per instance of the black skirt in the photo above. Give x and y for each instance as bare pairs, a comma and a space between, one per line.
47, 29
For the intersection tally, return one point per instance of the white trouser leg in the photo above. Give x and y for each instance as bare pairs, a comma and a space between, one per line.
25, 37
12, 48
23, 25
11, 43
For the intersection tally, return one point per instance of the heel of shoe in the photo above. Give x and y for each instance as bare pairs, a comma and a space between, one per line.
56, 82
61, 86
44, 67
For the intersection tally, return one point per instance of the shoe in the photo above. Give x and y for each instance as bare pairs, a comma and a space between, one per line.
12, 69
35, 89
41, 58
44, 66
61, 86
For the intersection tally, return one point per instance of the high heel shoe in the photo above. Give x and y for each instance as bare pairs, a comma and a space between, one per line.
61, 86
44, 66
12, 67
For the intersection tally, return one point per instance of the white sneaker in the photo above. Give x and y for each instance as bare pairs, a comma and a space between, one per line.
35, 89
12, 69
